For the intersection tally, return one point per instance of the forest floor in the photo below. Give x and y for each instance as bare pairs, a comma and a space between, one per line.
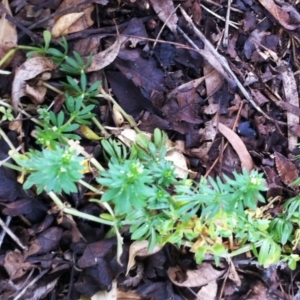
221, 78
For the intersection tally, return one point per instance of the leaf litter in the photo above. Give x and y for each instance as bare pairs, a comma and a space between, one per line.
166, 74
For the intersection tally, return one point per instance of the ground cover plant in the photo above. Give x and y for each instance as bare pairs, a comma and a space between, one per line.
89, 189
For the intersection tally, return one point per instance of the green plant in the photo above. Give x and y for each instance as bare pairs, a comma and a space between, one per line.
140, 189
56, 170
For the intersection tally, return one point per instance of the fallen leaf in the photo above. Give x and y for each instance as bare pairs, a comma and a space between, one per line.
287, 170
281, 14
28, 70
238, 145
203, 275
61, 26
14, 264
8, 34
106, 57
139, 248
209, 291
166, 12
89, 133
292, 98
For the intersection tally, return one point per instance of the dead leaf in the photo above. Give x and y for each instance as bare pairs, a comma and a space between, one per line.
74, 21
203, 275
208, 135
287, 170
15, 266
8, 34
292, 98
209, 291
28, 70
281, 14
61, 26
166, 12
238, 145
106, 57
139, 248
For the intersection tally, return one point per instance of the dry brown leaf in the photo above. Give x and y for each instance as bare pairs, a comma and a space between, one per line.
31, 68
77, 24
208, 135
203, 275
280, 14
209, 291
292, 97
106, 57
287, 170
62, 25
238, 146
166, 12
8, 34
139, 248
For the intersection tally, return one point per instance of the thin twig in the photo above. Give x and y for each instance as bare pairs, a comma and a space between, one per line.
223, 62
226, 30
232, 24
12, 235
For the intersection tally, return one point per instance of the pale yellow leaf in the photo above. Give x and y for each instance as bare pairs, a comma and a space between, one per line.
62, 25
139, 248
238, 146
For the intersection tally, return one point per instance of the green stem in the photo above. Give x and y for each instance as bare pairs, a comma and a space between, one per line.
90, 187
76, 213
244, 249
11, 166
7, 56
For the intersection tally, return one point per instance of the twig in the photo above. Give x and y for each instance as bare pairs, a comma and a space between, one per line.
2, 234
22, 292
226, 30
12, 235
232, 24
164, 25
223, 62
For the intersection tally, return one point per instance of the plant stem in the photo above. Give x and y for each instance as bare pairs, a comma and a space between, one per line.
75, 212
108, 97
11, 166
7, 56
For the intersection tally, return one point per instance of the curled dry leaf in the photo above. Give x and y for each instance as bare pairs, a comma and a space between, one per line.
166, 12
281, 14
238, 146
139, 248
89, 133
28, 70
203, 275
106, 57
8, 34
287, 170
62, 25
